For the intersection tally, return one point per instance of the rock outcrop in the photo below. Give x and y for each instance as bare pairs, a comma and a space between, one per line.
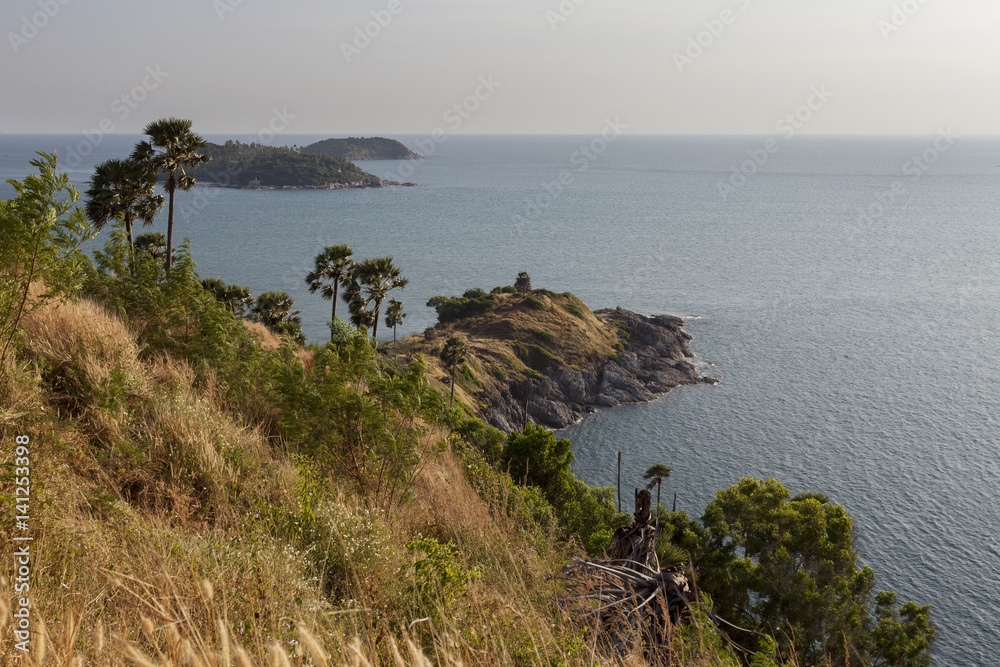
654, 360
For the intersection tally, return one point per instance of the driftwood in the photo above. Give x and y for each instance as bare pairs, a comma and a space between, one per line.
626, 595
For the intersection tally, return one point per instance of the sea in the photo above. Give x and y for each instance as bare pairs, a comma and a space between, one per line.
845, 290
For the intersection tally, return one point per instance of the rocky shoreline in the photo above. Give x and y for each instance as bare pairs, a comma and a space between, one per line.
373, 183
654, 360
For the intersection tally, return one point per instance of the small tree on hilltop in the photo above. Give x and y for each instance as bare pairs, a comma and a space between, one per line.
453, 355
523, 283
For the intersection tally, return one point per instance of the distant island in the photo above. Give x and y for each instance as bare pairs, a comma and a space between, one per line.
362, 148
256, 166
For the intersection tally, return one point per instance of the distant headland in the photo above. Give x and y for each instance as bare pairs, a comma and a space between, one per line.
362, 148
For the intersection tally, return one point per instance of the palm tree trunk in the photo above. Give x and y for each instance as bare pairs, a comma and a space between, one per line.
128, 230
336, 286
171, 189
658, 493
395, 353
378, 307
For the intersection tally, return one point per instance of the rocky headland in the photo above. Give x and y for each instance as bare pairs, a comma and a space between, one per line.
548, 359
655, 359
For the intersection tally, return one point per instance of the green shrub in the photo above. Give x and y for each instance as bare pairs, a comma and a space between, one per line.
452, 308
534, 357
535, 304
543, 335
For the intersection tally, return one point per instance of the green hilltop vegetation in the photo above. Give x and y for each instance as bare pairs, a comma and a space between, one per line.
208, 489
362, 148
238, 164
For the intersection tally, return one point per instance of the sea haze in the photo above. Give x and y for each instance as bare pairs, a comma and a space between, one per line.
858, 353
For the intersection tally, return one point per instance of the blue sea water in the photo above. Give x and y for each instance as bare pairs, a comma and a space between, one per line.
849, 306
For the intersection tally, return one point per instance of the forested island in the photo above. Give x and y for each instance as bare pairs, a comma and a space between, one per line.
256, 166
362, 148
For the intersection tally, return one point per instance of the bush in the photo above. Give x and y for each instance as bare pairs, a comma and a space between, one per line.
452, 308
535, 304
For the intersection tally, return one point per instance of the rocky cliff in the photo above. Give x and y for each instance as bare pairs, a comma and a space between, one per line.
653, 361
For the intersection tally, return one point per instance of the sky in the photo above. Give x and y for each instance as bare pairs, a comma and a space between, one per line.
350, 67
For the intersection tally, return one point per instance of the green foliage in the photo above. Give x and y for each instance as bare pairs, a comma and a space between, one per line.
122, 190
362, 148
543, 336
153, 244
903, 637
509, 289
172, 149
438, 576
473, 303
236, 298
174, 313
535, 304
537, 458
576, 310
771, 562
332, 266
238, 164
371, 281
41, 231
533, 356
353, 417
274, 310
487, 440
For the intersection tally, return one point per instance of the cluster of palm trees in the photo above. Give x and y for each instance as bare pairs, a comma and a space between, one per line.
366, 287
125, 189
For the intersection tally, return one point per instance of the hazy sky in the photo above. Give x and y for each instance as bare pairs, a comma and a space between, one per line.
866, 66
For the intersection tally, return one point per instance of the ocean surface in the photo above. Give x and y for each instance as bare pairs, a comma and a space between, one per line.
846, 292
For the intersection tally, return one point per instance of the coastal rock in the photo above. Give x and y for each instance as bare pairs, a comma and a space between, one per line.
653, 360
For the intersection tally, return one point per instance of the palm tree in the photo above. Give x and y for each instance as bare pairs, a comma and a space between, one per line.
656, 474
125, 190
172, 147
371, 281
394, 316
153, 244
273, 308
332, 265
453, 355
